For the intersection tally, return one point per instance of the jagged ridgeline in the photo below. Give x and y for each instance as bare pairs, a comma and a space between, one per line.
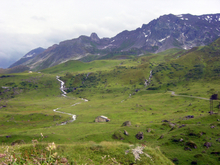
168, 31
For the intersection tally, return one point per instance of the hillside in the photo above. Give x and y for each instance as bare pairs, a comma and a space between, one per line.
169, 114
168, 31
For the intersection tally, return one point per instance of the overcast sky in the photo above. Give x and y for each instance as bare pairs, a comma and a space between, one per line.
28, 24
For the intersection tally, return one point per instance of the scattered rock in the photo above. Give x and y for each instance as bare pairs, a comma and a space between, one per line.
191, 144
202, 133
148, 130
207, 144
187, 148
218, 140
164, 121
126, 123
136, 90
172, 125
218, 120
126, 133
194, 162
212, 126
181, 139
161, 137
140, 135
137, 125
216, 153
182, 126
189, 116
175, 160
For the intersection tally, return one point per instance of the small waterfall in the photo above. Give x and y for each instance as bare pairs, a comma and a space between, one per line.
147, 82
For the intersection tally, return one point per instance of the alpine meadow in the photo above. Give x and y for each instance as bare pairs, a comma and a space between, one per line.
119, 105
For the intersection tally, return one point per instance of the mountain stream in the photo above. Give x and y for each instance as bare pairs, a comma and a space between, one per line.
64, 94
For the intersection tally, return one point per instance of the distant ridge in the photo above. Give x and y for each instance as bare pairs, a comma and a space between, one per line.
168, 31
28, 56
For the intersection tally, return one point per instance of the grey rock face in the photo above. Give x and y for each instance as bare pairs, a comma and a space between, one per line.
168, 31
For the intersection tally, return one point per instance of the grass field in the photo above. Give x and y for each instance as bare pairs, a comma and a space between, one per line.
176, 129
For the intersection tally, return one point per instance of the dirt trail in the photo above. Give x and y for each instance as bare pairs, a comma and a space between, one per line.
173, 94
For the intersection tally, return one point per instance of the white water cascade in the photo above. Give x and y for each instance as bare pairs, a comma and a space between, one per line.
147, 82
64, 94
62, 86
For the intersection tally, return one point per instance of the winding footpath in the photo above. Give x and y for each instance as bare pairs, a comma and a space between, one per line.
64, 94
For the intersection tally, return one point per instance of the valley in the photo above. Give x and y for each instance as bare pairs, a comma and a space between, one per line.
171, 111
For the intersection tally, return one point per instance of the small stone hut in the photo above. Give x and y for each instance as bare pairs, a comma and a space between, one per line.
102, 119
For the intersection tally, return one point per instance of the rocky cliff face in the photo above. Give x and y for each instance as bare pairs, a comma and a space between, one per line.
168, 31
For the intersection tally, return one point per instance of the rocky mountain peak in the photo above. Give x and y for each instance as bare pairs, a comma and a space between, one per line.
182, 31
94, 37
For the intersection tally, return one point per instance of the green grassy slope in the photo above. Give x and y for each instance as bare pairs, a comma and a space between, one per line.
180, 126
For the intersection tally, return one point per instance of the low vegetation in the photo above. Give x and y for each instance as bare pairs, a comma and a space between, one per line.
148, 124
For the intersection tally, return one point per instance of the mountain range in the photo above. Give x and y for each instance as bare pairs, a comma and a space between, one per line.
183, 31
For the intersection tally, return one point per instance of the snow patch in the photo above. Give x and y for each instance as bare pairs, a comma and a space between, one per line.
29, 55
164, 39
145, 35
106, 46
179, 15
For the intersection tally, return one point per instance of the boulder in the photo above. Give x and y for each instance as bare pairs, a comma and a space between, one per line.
148, 130
126, 123
126, 133
191, 144
207, 144
140, 135
172, 125
181, 139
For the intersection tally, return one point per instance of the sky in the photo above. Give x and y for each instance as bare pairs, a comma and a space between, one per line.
29, 24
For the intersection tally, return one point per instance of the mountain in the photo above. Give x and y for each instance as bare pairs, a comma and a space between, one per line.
168, 31
30, 55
